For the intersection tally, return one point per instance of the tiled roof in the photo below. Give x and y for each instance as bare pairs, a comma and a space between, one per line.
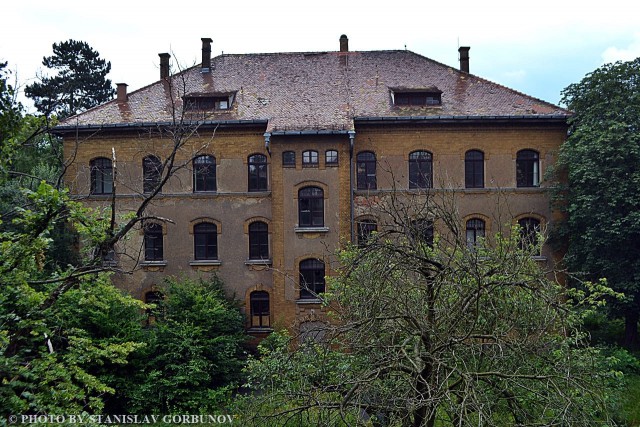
321, 91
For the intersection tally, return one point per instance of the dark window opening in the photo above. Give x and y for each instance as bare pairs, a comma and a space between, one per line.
366, 171
259, 307
474, 169
311, 207
528, 168
101, 176
421, 232
153, 242
311, 278
205, 240
258, 240
475, 231
366, 228
207, 103
529, 230
417, 99
152, 173
289, 159
204, 173
420, 169
257, 172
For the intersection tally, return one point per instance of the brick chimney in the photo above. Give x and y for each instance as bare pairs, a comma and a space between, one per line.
464, 58
206, 54
164, 65
344, 43
121, 93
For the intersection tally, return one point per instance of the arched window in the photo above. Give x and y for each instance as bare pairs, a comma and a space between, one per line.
311, 278
474, 169
311, 207
289, 159
528, 168
366, 171
151, 173
309, 159
366, 227
257, 172
101, 176
529, 229
258, 240
420, 170
204, 173
475, 230
331, 158
259, 307
205, 241
153, 242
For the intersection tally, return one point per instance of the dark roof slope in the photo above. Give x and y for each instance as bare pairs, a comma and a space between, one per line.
319, 91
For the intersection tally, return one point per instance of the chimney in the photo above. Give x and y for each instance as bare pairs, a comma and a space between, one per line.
121, 92
344, 43
206, 54
464, 58
164, 65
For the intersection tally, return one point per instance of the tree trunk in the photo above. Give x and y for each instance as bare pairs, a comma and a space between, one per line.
631, 336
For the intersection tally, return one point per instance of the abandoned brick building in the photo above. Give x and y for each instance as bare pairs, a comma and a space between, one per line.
280, 154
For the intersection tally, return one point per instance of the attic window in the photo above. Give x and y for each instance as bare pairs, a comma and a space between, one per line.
417, 98
208, 102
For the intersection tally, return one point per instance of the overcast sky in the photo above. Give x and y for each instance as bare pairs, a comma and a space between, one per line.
536, 47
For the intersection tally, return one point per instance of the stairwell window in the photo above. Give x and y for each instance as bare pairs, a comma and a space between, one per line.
153, 242
101, 176
259, 307
258, 241
366, 171
257, 172
528, 168
311, 207
311, 278
152, 173
474, 169
205, 241
475, 231
420, 169
289, 159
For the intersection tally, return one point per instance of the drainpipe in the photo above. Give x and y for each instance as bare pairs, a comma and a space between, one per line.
352, 136
267, 142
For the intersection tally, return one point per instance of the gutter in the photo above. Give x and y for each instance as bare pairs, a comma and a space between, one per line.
65, 129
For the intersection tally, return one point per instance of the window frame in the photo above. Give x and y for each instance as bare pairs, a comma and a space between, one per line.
310, 159
419, 178
529, 234
313, 269
258, 241
207, 239
475, 228
257, 172
151, 173
289, 162
474, 169
422, 230
314, 208
204, 174
527, 168
418, 98
331, 158
153, 242
366, 164
365, 228
257, 299
101, 176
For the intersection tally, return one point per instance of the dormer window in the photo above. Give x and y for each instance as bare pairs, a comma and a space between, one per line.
417, 98
208, 102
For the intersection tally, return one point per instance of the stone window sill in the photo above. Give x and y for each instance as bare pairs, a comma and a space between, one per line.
298, 229
205, 262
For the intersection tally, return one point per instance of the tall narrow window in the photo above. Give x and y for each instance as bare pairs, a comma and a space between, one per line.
205, 241
257, 172
311, 207
311, 278
529, 229
366, 228
101, 176
153, 242
258, 240
289, 159
309, 159
259, 301
331, 158
475, 231
421, 231
156, 298
474, 169
420, 169
366, 171
204, 173
528, 168
151, 173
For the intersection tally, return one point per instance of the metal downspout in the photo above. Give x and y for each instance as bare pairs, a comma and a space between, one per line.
352, 136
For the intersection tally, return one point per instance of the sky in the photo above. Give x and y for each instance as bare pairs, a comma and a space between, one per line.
535, 47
